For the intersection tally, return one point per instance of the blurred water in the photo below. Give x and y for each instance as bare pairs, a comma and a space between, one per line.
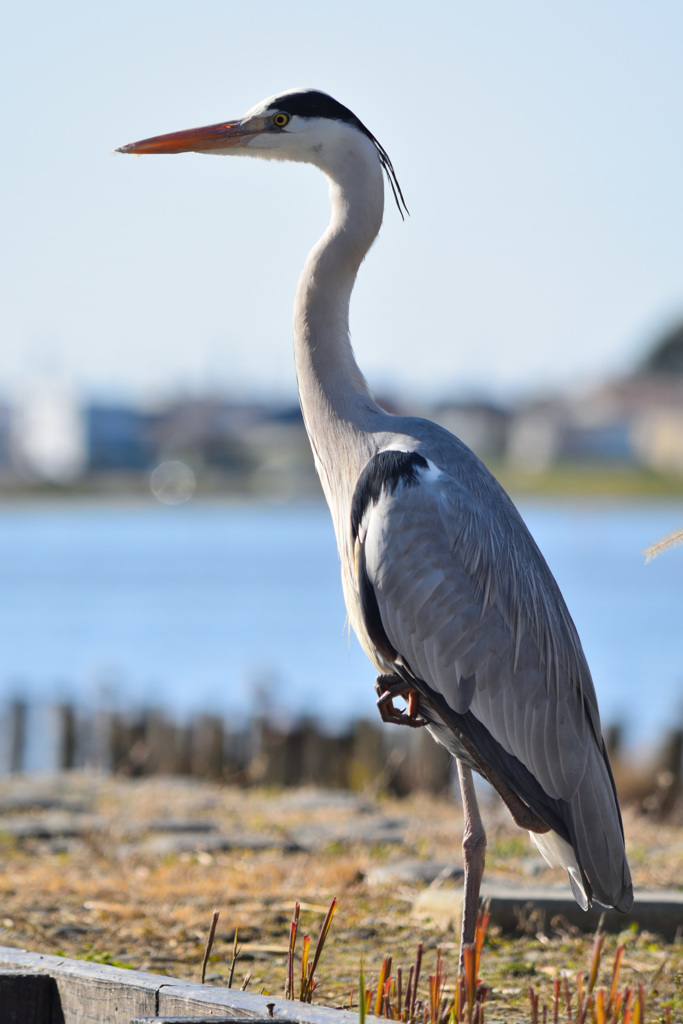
222, 606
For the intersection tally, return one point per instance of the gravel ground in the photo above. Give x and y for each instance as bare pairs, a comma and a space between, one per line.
128, 872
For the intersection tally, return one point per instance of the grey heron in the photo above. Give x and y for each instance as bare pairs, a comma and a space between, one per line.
445, 588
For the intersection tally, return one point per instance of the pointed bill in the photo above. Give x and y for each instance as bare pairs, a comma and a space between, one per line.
223, 136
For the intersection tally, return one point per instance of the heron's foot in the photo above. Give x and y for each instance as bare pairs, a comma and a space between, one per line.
388, 688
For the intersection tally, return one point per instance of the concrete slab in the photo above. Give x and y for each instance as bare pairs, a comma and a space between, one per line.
659, 911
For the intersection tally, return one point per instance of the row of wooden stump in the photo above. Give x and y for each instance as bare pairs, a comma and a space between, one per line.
265, 752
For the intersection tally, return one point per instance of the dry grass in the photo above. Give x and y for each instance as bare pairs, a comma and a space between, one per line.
105, 898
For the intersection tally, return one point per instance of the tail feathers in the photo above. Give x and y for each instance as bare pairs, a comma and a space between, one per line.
596, 858
557, 852
598, 836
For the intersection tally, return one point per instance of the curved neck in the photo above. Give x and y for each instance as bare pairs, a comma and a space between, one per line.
337, 405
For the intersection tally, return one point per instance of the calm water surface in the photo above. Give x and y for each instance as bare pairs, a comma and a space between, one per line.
220, 606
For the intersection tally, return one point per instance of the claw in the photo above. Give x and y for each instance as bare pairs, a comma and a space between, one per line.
388, 688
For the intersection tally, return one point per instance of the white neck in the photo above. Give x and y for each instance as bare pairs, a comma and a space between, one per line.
338, 409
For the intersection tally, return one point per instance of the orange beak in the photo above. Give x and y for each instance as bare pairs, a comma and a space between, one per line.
228, 135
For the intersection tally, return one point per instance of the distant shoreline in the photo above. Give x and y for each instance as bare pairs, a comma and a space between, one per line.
580, 480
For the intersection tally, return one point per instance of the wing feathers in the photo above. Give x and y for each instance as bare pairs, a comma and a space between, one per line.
462, 593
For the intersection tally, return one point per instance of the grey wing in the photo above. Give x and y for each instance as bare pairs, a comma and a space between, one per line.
468, 603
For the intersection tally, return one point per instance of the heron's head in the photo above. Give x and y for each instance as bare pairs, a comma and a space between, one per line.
302, 124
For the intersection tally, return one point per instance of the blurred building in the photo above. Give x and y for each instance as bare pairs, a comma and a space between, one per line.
49, 435
48, 438
633, 420
652, 405
119, 438
483, 426
5, 439
225, 443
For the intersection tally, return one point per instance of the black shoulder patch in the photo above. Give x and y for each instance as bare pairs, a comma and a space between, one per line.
384, 471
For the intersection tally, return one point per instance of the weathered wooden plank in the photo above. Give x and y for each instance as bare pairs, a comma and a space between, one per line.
97, 994
90, 993
192, 998
28, 998
204, 1019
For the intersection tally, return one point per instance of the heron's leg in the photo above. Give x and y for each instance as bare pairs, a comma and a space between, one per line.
388, 688
474, 856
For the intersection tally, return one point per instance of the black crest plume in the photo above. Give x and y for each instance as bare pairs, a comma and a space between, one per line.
312, 103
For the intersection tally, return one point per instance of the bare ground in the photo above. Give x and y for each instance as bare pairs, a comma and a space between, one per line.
116, 877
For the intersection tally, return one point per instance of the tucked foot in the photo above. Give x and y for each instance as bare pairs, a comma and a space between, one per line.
390, 687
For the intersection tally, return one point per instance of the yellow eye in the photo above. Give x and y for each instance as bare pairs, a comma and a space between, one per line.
280, 120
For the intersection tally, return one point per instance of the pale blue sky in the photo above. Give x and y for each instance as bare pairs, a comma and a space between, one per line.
538, 144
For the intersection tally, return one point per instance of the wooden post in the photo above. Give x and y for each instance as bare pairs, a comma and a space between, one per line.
206, 747
613, 735
100, 753
66, 736
396, 745
431, 765
129, 753
669, 782
239, 746
366, 754
270, 763
17, 735
325, 759
163, 742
